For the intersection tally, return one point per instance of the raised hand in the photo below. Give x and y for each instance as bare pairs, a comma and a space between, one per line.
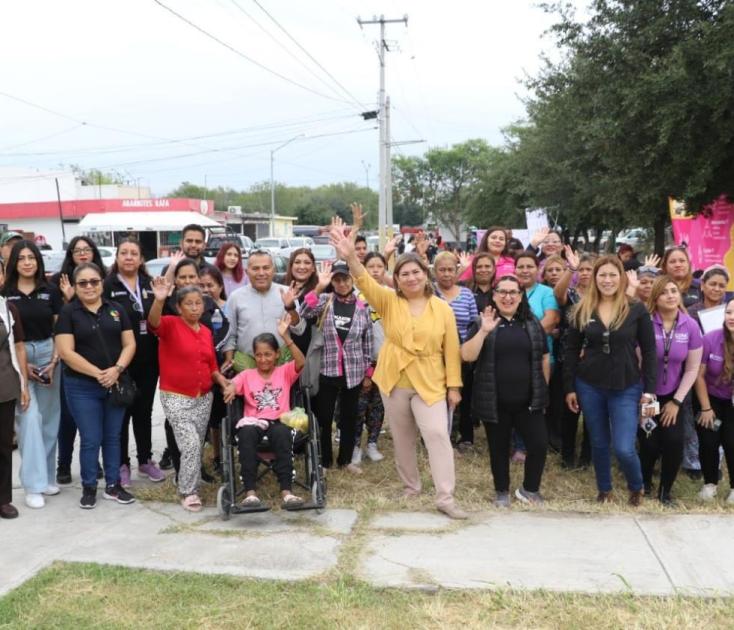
539, 236
283, 327
490, 319
572, 257
632, 280
343, 244
161, 287
357, 217
325, 274
66, 287
464, 260
652, 260
392, 245
421, 244
289, 295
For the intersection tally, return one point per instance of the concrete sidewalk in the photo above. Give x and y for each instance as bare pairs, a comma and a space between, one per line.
644, 554
660, 555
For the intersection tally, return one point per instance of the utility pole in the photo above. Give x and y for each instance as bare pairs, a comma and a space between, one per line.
388, 174
272, 180
385, 192
61, 214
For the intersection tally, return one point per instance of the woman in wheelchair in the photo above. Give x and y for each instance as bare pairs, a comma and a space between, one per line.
266, 389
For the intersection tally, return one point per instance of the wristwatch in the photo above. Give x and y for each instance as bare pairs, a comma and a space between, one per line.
120, 368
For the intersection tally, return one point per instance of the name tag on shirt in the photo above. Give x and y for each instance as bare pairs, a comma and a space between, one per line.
143, 327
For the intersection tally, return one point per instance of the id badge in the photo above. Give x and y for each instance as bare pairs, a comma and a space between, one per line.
143, 327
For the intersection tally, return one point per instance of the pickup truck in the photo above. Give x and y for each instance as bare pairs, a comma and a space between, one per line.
216, 241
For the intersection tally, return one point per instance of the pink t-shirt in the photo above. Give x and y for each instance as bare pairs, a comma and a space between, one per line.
267, 399
504, 265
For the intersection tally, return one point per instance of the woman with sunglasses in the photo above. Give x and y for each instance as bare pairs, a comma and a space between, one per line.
95, 340
511, 386
128, 284
679, 347
81, 250
603, 375
38, 305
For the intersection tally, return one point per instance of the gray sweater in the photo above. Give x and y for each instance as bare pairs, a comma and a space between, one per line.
251, 313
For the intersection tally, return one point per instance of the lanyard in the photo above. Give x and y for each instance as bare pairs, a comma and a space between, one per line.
667, 343
134, 296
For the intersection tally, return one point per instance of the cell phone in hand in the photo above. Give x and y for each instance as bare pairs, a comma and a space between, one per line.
42, 374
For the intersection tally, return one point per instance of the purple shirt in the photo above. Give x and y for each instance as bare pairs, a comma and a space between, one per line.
685, 337
713, 359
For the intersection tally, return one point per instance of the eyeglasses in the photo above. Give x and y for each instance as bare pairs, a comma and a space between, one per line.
605, 347
505, 293
94, 283
82, 250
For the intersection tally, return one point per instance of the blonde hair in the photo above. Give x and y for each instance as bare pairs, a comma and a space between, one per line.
405, 259
444, 256
555, 258
658, 287
587, 306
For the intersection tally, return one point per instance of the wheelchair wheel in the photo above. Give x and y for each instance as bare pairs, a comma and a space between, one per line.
224, 503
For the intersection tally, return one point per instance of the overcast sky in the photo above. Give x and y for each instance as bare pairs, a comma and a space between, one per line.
164, 103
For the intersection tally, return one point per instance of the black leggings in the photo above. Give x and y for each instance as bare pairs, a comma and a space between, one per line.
7, 419
466, 422
665, 441
556, 405
145, 376
531, 427
281, 443
331, 388
709, 441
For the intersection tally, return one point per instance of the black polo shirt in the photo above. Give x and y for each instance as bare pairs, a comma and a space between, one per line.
116, 291
36, 310
111, 319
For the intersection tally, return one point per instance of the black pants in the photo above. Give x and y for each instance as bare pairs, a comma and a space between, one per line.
556, 405
569, 428
331, 388
281, 443
466, 422
709, 441
531, 427
665, 441
145, 376
7, 419
67, 430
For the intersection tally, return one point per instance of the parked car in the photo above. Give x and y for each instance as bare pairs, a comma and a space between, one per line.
156, 266
108, 255
281, 266
215, 243
52, 261
274, 245
635, 237
324, 253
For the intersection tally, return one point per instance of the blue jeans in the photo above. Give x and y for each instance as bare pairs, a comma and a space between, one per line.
99, 423
612, 418
38, 425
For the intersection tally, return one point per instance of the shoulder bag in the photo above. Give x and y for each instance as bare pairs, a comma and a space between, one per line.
124, 392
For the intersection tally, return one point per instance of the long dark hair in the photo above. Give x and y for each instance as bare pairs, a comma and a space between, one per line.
311, 283
523, 312
484, 245
239, 271
142, 271
11, 278
213, 271
472, 284
68, 266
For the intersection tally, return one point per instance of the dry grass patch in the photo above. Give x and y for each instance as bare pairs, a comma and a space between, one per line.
379, 490
86, 596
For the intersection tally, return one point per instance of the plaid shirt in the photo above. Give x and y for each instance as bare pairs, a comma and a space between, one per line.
351, 359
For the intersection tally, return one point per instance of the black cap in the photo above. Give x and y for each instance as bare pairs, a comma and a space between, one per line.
339, 267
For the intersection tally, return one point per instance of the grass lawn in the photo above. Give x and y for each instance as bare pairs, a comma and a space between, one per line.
85, 596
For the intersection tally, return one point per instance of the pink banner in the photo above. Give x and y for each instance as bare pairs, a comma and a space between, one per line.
708, 236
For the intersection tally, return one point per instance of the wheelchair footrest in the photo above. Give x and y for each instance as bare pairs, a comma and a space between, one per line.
245, 509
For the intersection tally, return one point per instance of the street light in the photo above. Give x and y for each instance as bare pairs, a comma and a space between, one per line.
272, 180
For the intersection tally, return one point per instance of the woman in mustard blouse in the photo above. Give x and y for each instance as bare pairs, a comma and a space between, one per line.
418, 369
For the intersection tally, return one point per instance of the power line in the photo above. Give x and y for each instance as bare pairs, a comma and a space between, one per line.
284, 48
243, 55
46, 137
308, 54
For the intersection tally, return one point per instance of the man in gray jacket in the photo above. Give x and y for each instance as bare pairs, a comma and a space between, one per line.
254, 309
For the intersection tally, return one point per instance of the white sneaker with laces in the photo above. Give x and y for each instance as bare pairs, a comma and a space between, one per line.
373, 454
34, 500
52, 490
357, 456
708, 492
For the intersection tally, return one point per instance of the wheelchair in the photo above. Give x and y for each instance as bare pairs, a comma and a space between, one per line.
306, 446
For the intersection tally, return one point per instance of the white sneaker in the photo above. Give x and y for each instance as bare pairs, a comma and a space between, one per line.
357, 456
730, 498
52, 490
34, 500
708, 492
372, 452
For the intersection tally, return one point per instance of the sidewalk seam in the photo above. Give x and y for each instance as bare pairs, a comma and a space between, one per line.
655, 553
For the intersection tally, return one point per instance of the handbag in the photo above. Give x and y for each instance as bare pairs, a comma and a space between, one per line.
125, 391
312, 369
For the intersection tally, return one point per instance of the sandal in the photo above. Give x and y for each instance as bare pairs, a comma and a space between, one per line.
251, 502
291, 501
192, 503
